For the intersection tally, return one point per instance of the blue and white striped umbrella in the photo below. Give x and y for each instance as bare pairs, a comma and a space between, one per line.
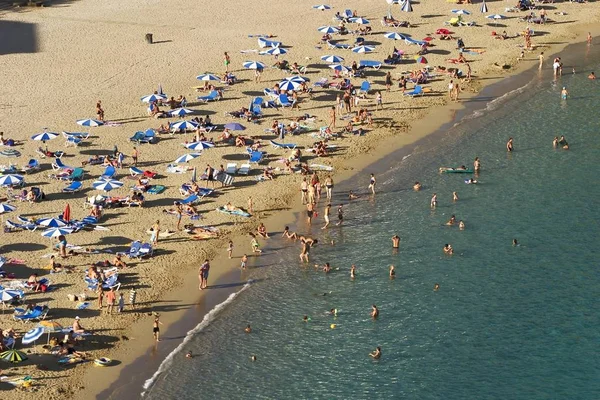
254, 65
322, 7
287, 85
339, 67
328, 29
363, 49
394, 36
332, 59
406, 6
51, 222
185, 125
8, 295
199, 145
180, 112
460, 12
208, 77
44, 136
483, 8
187, 157
56, 232
153, 97
10, 180
107, 184
89, 122
6, 208
296, 78
275, 51
32, 335
496, 16
359, 20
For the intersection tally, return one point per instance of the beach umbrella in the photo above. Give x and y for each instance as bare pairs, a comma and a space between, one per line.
56, 232
287, 85
275, 51
322, 7
32, 335
394, 36
483, 8
339, 67
50, 327
496, 16
328, 29
67, 213
460, 12
6, 208
201, 145
107, 184
89, 122
194, 175
363, 49
180, 112
9, 295
296, 78
51, 222
359, 20
332, 59
42, 137
187, 157
390, 2
13, 356
208, 77
185, 125
153, 97
406, 6
253, 65
234, 126
10, 180
421, 60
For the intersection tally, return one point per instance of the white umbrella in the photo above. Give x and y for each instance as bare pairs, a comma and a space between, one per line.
153, 97
274, 51
460, 12
56, 232
254, 65
208, 77
496, 16
199, 145
187, 157
6, 208
360, 21
107, 184
32, 335
322, 7
10, 180
332, 59
406, 6
483, 8
89, 122
44, 136
185, 125
394, 36
180, 112
363, 49
51, 222
328, 29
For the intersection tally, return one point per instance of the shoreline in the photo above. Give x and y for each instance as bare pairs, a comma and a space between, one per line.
140, 369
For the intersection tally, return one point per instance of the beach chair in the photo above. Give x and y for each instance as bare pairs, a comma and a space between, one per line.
75, 175
322, 83
190, 199
417, 91
29, 226
231, 168
32, 165
339, 46
145, 251
72, 141
75, 186
453, 21
58, 165
134, 250
156, 189
135, 171
212, 96
370, 64
284, 101
270, 94
256, 111
256, 157
111, 282
76, 135
109, 172
365, 86
288, 146
244, 169
37, 314
225, 179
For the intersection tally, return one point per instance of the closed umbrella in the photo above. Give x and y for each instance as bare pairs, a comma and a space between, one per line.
153, 97
13, 356
208, 77
360, 21
201, 145
328, 29
406, 6
253, 65
32, 335
89, 122
51, 222
483, 8
6, 208
107, 184
322, 7
194, 175
460, 12
56, 232
363, 49
44, 136
187, 157
67, 213
332, 59
183, 125
180, 112
10, 180
234, 126
394, 36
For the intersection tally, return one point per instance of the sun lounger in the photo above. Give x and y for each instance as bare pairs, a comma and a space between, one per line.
75, 186
190, 199
370, 64
76, 135
418, 90
135, 171
58, 165
322, 83
225, 179
256, 156
212, 96
177, 169
32, 165
289, 146
72, 141
339, 46
37, 314
283, 101
244, 169
231, 168
109, 172
365, 86
15, 226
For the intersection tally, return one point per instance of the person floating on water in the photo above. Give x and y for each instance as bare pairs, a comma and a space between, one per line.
471, 181
376, 354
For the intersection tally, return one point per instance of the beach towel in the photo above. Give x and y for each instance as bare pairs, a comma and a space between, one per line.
225, 179
184, 214
238, 212
156, 189
83, 305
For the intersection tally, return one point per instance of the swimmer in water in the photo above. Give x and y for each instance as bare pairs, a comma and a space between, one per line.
563, 143
326, 268
515, 243
564, 93
392, 272
555, 142
248, 329
436, 287
477, 164
352, 196
395, 241
592, 76
417, 186
253, 358
461, 225
353, 271
448, 249
452, 221
509, 145
374, 311
376, 354
305, 318
333, 312
471, 181
188, 354
433, 202
454, 196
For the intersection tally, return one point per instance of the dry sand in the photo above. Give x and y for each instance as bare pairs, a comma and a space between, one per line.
62, 59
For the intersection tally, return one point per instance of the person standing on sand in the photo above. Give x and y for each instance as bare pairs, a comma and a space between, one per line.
378, 101
244, 261
179, 211
100, 111
156, 328
304, 190
541, 60
121, 302
111, 297
226, 61
230, 249
332, 117
456, 91
388, 81
134, 156
451, 89
100, 293
155, 231
205, 268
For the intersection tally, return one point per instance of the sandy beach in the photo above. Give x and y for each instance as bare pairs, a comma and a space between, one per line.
62, 59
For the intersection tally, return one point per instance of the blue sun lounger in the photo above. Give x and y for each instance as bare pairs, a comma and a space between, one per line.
370, 64
75, 186
212, 96
109, 172
418, 90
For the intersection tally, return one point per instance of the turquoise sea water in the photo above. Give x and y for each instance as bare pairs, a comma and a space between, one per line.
507, 322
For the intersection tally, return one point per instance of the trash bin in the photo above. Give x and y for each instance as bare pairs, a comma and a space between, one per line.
149, 38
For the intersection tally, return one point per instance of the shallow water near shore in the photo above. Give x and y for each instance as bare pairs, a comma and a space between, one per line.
507, 322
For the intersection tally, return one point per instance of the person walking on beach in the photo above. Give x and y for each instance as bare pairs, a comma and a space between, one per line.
121, 302
541, 57
111, 297
230, 249
100, 111
332, 117
134, 156
226, 61
204, 269
509, 145
372, 183
378, 101
156, 327
451, 89
132, 296
326, 215
155, 231
456, 91
304, 190
329, 186
433, 202
340, 213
